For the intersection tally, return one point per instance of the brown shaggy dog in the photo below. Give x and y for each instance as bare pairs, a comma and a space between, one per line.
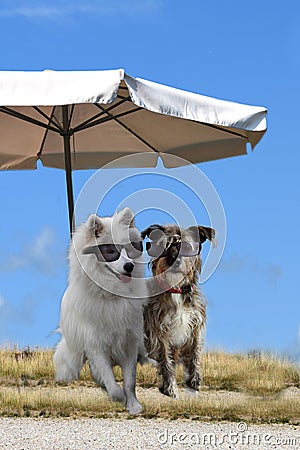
174, 317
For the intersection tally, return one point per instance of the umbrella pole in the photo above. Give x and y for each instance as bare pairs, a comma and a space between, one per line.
68, 167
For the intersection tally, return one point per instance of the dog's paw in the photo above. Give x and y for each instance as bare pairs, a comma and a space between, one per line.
151, 361
65, 378
169, 391
191, 391
193, 383
134, 408
118, 395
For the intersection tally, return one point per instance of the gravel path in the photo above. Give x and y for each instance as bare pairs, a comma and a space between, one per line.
142, 434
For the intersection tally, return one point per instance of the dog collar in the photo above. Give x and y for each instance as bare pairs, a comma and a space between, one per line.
183, 290
186, 289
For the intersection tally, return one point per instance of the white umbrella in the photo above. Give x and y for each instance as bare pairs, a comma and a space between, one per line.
84, 120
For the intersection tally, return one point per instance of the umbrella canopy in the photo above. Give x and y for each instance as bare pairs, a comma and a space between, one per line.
84, 120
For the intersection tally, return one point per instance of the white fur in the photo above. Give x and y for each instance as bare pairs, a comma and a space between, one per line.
181, 323
102, 318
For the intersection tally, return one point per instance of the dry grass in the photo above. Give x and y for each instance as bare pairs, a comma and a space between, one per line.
256, 388
255, 374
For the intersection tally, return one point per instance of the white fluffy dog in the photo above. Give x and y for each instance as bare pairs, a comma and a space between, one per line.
102, 309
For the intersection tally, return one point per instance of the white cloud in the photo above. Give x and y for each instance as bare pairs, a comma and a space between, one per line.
22, 312
33, 11
60, 9
232, 265
271, 272
41, 243
39, 254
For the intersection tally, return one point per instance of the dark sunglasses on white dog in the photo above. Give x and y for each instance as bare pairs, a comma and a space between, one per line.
159, 249
112, 252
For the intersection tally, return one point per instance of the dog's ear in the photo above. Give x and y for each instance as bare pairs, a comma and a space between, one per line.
151, 230
200, 234
95, 225
126, 217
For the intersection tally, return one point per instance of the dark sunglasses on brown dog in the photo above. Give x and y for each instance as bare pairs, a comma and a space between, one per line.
159, 250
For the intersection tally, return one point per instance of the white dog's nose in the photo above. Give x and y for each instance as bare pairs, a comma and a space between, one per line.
129, 266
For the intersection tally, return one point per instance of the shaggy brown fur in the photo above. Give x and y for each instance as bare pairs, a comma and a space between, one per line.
174, 322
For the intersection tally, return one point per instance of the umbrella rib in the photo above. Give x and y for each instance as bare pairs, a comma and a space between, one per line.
219, 127
124, 98
45, 134
103, 120
116, 119
50, 119
82, 125
29, 119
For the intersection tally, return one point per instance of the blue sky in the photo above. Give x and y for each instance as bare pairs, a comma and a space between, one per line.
222, 49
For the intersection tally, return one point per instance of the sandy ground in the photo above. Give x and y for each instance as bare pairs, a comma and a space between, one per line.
143, 434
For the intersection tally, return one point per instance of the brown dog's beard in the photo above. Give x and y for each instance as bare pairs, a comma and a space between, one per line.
186, 275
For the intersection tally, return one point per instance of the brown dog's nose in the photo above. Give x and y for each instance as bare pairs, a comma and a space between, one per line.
129, 266
172, 255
